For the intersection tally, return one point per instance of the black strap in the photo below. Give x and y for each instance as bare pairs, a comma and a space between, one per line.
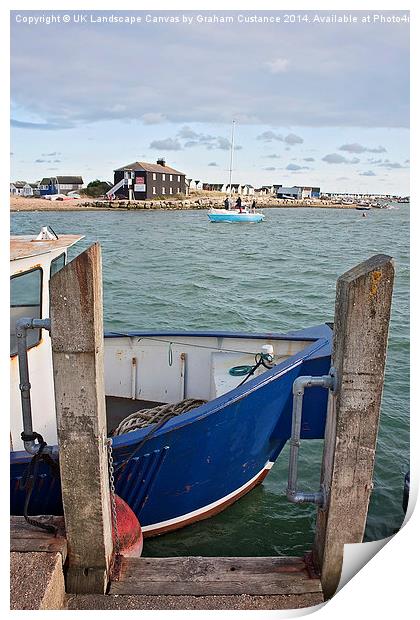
28, 480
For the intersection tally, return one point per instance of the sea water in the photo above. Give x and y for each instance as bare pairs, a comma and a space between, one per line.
176, 270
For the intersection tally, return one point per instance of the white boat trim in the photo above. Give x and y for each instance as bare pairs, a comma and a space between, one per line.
209, 508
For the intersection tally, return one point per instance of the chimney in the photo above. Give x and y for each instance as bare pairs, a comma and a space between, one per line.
161, 162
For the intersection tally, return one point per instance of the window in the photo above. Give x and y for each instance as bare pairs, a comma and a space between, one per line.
170, 177
25, 301
179, 178
177, 190
57, 264
154, 176
163, 177
163, 190
154, 189
170, 190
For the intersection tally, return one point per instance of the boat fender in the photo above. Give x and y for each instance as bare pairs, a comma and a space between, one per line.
129, 530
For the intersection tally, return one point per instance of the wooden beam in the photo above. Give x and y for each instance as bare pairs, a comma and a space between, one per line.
204, 576
28, 539
77, 345
362, 314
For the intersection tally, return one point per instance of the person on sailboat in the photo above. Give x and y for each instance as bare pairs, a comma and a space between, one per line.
226, 202
239, 204
254, 206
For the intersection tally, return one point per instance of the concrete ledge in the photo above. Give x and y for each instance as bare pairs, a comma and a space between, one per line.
243, 601
36, 581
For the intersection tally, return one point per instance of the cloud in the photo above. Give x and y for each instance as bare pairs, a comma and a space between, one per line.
368, 173
186, 133
292, 139
47, 161
391, 165
168, 144
269, 136
358, 148
323, 67
308, 159
213, 163
273, 156
335, 158
342, 179
295, 167
153, 118
270, 168
278, 65
41, 126
53, 154
193, 138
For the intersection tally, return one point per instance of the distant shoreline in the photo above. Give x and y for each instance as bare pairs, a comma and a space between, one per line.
22, 204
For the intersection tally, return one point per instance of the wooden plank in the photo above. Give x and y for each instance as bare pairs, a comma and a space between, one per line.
20, 528
199, 576
25, 538
77, 345
362, 313
33, 545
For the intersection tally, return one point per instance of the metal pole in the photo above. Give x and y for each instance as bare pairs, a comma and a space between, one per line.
231, 157
21, 327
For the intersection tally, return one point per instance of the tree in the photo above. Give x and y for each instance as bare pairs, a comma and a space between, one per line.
96, 188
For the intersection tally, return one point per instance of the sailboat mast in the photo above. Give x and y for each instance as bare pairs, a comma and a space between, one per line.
231, 157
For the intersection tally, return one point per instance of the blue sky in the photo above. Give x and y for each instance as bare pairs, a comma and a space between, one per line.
317, 104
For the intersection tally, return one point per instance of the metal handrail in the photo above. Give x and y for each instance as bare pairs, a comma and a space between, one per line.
300, 384
21, 329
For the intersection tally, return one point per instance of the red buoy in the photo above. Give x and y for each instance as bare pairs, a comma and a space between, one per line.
129, 530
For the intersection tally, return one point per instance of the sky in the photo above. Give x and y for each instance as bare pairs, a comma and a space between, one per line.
315, 102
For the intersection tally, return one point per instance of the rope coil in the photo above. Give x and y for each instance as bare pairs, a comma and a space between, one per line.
146, 417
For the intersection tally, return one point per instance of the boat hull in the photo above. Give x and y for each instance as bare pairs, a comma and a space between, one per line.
200, 462
236, 217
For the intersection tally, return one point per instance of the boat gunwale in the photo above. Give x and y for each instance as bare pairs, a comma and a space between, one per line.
235, 395
217, 404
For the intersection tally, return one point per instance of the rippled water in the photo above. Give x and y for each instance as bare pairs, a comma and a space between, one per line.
166, 270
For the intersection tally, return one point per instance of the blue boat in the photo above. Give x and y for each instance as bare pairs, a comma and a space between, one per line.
194, 464
234, 215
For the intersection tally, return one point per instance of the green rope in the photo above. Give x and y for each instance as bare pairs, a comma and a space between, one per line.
239, 371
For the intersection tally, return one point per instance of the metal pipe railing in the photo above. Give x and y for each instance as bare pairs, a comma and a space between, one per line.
21, 329
299, 386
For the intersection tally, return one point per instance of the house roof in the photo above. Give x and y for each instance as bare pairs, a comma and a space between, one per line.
144, 165
72, 180
19, 183
69, 180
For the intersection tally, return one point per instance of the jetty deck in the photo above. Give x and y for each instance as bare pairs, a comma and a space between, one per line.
37, 578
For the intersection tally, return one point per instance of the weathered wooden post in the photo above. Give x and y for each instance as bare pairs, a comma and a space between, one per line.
77, 345
362, 313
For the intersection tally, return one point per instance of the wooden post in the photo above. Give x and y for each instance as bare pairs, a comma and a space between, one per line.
362, 313
77, 345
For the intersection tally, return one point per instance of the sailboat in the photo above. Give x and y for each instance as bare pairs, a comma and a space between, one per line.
243, 214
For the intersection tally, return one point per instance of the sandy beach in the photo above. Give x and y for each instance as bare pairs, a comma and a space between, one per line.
202, 201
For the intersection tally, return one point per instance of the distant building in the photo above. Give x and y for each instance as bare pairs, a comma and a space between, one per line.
141, 180
247, 190
60, 185
265, 190
18, 187
297, 192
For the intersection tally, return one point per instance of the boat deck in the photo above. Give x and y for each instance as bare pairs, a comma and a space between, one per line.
119, 408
